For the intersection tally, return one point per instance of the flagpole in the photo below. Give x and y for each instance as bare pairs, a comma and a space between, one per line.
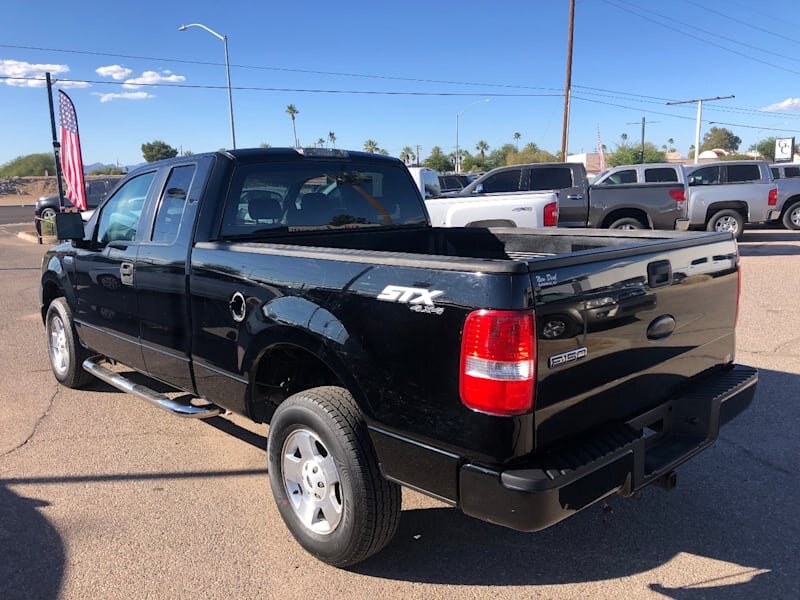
56, 144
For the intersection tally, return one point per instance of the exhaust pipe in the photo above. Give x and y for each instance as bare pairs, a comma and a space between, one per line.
667, 481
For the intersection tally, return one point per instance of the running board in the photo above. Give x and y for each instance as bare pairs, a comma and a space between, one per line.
145, 393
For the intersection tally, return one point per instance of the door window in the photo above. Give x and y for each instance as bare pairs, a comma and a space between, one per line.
121, 214
705, 176
550, 178
505, 181
661, 175
791, 171
173, 201
743, 173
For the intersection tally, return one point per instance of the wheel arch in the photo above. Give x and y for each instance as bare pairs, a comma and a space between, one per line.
621, 212
738, 205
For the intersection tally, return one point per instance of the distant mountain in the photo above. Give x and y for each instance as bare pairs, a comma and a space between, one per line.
97, 166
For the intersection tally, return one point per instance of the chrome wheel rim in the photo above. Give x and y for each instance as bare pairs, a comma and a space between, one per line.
59, 355
553, 329
48, 213
627, 226
795, 216
312, 482
727, 223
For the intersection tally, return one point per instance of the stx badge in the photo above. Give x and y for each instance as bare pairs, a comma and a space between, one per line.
409, 295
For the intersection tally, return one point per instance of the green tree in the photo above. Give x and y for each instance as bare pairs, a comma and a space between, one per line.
623, 137
292, 111
264, 145
530, 153
407, 155
720, 137
765, 148
320, 142
482, 147
438, 161
371, 146
499, 156
628, 154
332, 138
670, 144
517, 135
106, 171
29, 165
158, 150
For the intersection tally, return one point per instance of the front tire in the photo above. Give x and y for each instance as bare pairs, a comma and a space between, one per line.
325, 478
727, 220
791, 218
63, 348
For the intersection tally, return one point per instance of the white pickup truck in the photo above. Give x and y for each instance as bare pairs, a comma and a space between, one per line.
508, 209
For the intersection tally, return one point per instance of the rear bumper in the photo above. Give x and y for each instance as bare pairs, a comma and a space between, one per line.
773, 215
682, 224
620, 461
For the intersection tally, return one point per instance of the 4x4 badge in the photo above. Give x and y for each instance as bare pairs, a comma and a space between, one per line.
567, 357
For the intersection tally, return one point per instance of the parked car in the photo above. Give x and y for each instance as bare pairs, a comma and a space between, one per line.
787, 209
96, 190
453, 182
629, 197
725, 195
383, 351
522, 209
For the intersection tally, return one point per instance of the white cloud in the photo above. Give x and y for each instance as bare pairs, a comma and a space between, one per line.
117, 72
153, 78
123, 96
788, 105
25, 74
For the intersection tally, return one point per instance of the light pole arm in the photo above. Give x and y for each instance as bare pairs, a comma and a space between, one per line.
201, 26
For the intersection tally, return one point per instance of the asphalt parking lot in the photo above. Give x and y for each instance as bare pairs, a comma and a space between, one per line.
104, 497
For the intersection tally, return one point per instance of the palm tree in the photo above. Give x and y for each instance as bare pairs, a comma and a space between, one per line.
321, 142
292, 111
371, 146
670, 143
517, 135
624, 137
332, 138
482, 147
407, 155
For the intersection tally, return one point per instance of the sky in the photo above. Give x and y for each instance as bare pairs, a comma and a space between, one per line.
396, 72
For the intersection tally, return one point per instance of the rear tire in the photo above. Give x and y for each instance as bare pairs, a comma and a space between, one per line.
727, 220
627, 223
791, 218
63, 348
325, 478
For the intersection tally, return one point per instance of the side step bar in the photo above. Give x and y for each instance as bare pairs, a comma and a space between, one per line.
145, 393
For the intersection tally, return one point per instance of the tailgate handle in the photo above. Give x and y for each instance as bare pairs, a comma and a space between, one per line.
659, 273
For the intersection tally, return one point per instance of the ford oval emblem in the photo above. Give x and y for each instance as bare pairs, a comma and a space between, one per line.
661, 327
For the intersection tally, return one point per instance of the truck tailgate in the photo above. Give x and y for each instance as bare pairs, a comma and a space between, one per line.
623, 333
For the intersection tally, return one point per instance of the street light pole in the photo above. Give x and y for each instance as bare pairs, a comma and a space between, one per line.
224, 39
458, 116
699, 118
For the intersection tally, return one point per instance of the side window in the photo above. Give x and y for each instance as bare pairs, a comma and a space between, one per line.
620, 178
550, 178
705, 176
172, 203
121, 214
743, 173
505, 181
660, 175
791, 171
776, 173
431, 181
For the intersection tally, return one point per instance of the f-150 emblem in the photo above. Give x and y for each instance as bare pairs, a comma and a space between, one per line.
409, 295
567, 357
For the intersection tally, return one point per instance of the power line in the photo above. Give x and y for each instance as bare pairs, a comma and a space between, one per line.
132, 87
704, 41
745, 23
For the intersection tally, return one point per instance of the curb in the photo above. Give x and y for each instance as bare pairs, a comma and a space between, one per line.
30, 237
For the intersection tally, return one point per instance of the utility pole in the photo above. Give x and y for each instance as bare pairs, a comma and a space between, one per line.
699, 117
417, 154
568, 82
644, 122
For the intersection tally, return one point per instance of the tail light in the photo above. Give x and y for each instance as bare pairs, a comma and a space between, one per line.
678, 194
550, 215
498, 361
773, 197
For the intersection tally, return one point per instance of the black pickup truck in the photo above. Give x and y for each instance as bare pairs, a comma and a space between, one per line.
308, 290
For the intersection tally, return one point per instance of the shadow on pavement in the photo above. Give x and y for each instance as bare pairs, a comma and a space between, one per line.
770, 242
32, 558
734, 504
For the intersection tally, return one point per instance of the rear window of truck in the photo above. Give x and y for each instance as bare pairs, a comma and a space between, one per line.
321, 194
743, 173
550, 178
661, 175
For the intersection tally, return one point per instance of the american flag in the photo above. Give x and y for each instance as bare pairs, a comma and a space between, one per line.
601, 153
71, 160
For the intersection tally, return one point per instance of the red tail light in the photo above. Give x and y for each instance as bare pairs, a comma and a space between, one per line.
498, 361
678, 194
550, 215
773, 197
